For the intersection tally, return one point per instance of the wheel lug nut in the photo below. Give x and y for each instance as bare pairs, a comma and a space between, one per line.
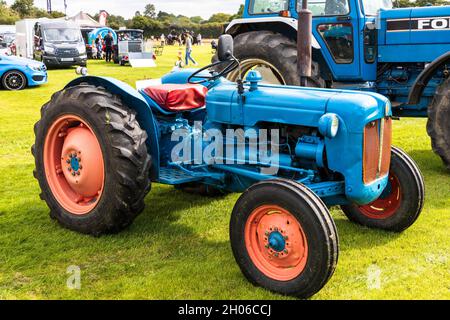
79, 159
73, 173
81, 167
267, 246
267, 233
276, 255
69, 169
67, 161
285, 251
285, 237
78, 173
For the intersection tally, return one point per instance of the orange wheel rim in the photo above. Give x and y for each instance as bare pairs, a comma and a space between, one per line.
276, 243
389, 202
73, 163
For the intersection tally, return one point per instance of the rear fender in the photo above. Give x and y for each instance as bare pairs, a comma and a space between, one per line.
425, 76
134, 100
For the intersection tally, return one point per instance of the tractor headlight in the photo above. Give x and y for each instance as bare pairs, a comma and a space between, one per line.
329, 125
49, 49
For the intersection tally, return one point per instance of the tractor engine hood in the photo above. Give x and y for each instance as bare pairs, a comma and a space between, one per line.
293, 106
414, 34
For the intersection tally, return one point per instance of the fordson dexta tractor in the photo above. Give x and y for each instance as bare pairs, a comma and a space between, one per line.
404, 54
292, 151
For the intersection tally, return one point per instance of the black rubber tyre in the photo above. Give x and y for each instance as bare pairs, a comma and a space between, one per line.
126, 160
313, 217
275, 49
14, 80
412, 197
438, 126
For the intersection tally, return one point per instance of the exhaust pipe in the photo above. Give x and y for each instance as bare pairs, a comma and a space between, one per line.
304, 48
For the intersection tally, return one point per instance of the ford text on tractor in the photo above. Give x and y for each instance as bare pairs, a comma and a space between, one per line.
292, 151
366, 45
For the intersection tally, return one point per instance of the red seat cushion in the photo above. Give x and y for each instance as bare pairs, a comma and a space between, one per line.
178, 97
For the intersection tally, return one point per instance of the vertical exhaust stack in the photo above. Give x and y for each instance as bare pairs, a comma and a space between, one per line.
304, 49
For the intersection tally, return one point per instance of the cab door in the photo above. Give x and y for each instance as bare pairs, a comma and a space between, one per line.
336, 29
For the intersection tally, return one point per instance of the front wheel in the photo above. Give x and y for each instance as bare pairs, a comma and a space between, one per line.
283, 238
14, 80
91, 160
401, 202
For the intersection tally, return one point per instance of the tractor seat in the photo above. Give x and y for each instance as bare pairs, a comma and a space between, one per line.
178, 97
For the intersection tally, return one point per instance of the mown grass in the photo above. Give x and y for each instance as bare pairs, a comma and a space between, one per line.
178, 247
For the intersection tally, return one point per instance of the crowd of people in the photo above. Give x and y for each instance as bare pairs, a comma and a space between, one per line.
102, 47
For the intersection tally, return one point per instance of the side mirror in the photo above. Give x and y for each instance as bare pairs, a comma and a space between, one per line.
225, 49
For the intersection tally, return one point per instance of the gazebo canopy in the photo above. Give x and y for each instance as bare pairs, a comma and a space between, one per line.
84, 20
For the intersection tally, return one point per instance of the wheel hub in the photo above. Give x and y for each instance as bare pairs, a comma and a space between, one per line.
276, 241
80, 155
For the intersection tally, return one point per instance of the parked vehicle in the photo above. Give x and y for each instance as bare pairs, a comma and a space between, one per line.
366, 45
18, 73
59, 44
130, 49
315, 148
6, 41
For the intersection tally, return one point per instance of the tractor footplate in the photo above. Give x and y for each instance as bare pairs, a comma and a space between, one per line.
172, 176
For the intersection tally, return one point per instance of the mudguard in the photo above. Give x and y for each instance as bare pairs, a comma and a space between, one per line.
134, 100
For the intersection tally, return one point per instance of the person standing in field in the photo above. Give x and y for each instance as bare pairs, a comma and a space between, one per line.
99, 45
109, 41
188, 57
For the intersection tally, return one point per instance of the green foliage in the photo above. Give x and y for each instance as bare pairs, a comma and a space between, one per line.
220, 18
150, 11
23, 7
7, 15
420, 3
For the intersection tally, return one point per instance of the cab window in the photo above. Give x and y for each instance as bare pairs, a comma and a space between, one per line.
327, 7
339, 39
268, 6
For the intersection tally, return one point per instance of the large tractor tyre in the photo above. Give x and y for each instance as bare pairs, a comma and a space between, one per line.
14, 80
91, 160
438, 126
283, 238
274, 55
401, 202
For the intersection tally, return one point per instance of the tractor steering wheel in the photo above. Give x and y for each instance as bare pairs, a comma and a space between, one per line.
230, 65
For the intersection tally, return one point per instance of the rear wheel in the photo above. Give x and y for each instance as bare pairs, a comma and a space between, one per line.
273, 55
401, 202
93, 173
14, 80
283, 238
438, 122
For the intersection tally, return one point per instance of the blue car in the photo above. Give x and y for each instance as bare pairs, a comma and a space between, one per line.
18, 73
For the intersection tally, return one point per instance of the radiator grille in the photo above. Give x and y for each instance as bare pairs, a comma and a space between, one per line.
377, 149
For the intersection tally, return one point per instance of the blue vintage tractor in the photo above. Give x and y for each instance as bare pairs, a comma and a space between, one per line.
365, 45
292, 151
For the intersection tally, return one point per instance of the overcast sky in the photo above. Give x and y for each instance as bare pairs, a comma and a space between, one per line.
127, 8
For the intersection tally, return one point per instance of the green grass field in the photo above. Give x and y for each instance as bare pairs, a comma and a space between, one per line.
178, 247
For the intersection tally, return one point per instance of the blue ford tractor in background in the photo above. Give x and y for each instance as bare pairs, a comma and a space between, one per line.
403, 54
293, 152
